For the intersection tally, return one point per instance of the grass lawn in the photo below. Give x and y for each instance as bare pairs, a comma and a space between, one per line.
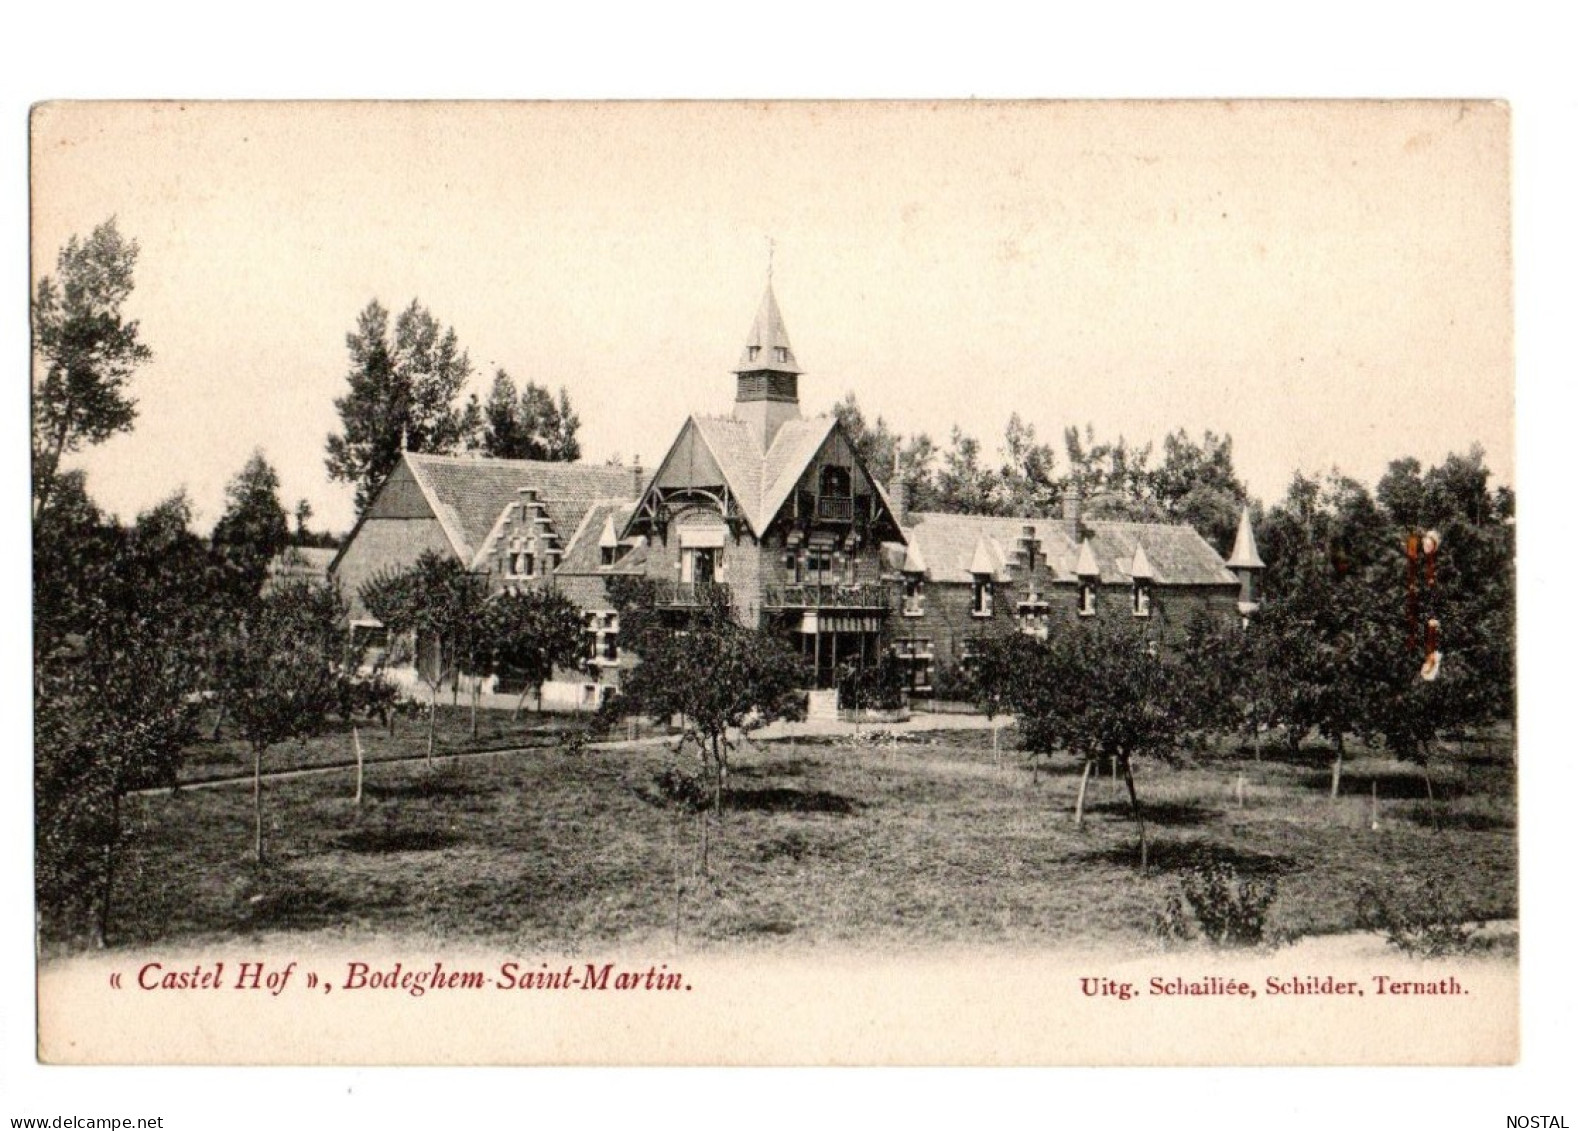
922, 842
228, 756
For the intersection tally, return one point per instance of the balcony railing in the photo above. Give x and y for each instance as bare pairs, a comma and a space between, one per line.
832, 508
868, 597
692, 595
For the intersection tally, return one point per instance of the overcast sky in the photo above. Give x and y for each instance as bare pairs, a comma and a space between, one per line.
1328, 284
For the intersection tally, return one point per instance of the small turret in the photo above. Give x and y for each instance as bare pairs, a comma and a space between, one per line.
767, 388
1246, 565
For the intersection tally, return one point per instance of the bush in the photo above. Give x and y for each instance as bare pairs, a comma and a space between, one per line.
682, 788
876, 687
1230, 909
1421, 924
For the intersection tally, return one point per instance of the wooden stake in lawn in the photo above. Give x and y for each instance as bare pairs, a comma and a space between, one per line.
1239, 790
356, 741
1079, 800
1375, 808
1336, 769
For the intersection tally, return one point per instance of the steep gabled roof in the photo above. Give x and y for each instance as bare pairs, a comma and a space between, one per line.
793, 449
1085, 564
737, 449
468, 495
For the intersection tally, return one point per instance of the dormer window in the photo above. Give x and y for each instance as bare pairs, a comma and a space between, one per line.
981, 596
780, 353
753, 352
1087, 599
914, 596
1142, 598
610, 555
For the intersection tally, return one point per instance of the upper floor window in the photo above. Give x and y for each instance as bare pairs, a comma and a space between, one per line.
780, 353
981, 596
836, 481
1142, 598
914, 597
754, 351
1087, 599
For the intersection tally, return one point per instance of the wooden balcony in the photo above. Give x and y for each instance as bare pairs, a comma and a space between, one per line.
833, 508
692, 595
866, 598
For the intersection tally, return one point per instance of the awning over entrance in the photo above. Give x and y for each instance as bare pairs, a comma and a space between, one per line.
823, 621
701, 537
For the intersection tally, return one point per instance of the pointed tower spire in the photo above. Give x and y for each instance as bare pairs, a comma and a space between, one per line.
1246, 566
767, 390
1246, 555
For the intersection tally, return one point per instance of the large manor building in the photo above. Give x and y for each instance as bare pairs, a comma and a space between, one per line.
777, 514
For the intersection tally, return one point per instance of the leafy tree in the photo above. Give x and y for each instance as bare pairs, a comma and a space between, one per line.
303, 515
253, 528
965, 485
403, 388
1196, 484
120, 648
84, 352
719, 677
279, 672
529, 424
1027, 477
1097, 690
529, 633
439, 602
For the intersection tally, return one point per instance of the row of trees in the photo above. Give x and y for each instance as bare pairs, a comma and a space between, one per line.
1194, 482
1387, 617
406, 381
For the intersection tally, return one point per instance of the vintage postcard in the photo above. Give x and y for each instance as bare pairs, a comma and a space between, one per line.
800, 583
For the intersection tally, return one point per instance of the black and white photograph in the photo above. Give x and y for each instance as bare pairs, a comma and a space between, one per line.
774, 583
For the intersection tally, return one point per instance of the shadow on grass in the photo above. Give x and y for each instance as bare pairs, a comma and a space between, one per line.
1178, 856
1389, 785
377, 840
781, 799
1473, 821
787, 768
279, 899
1178, 814
426, 784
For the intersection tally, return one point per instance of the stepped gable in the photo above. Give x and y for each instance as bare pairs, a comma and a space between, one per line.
468, 495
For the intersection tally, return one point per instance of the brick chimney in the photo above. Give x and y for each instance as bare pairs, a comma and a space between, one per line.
1071, 512
636, 477
899, 496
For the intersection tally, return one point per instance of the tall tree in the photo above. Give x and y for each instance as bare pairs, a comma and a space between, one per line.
529, 423
253, 528
1098, 690
438, 603
84, 352
403, 390
122, 621
528, 634
1196, 484
279, 673
1028, 483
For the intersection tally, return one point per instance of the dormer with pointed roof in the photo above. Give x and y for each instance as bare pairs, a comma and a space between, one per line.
767, 388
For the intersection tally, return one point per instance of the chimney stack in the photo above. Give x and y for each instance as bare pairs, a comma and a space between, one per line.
1071, 511
899, 496
636, 475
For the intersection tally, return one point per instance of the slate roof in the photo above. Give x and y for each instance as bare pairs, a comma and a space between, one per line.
762, 483
767, 334
584, 552
469, 494
1177, 554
